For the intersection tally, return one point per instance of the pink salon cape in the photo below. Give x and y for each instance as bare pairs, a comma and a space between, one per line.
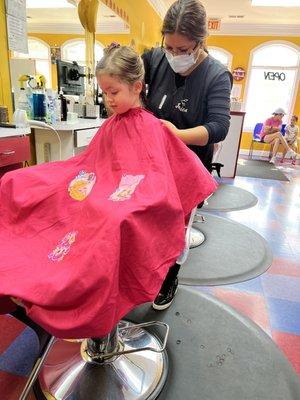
84, 241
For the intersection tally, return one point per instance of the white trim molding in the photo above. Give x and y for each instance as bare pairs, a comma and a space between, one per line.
118, 27
240, 29
224, 51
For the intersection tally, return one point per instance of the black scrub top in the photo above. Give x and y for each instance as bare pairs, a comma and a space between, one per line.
201, 98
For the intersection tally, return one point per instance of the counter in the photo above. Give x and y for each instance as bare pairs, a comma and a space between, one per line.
10, 132
74, 138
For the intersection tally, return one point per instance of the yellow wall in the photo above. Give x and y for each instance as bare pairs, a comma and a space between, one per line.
57, 40
240, 48
144, 21
144, 27
5, 91
144, 30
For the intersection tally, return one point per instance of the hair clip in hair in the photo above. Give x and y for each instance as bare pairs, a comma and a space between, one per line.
113, 45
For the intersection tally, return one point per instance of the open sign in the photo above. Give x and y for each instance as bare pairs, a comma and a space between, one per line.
272, 76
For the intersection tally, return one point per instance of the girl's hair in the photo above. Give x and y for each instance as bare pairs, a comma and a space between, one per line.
121, 62
188, 18
295, 117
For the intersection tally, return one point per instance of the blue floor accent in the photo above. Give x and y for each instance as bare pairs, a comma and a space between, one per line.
16, 359
284, 315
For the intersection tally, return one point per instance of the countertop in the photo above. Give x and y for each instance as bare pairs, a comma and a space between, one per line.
8, 132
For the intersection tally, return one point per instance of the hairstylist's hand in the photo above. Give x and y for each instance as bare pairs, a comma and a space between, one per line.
170, 126
192, 136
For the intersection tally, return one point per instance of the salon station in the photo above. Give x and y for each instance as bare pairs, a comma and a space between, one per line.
193, 295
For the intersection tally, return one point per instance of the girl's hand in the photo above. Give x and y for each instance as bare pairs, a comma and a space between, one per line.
170, 126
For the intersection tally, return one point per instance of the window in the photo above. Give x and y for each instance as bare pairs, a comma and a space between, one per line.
272, 81
221, 55
74, 50
40, 52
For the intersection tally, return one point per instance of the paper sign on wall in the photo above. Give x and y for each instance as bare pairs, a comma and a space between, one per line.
16, 8
17, 25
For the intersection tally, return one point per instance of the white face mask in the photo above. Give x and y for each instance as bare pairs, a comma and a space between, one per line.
181, 63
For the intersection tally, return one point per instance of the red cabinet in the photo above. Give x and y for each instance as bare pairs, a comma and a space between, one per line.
13, 151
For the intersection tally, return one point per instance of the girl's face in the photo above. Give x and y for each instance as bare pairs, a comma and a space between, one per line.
120, 96
293, 121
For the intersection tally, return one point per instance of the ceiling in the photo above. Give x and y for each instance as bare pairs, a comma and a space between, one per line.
238, 17
49, 20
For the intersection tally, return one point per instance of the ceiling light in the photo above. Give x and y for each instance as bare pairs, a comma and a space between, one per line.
276, 3
48, 4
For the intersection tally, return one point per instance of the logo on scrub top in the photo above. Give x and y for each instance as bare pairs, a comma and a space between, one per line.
181, 106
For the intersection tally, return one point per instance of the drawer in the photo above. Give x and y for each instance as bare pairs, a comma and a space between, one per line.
14, 150
84, 136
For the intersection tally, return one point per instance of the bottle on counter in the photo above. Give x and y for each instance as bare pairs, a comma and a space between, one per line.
24, 103
39, 104
64, 109
51, 111
30, 101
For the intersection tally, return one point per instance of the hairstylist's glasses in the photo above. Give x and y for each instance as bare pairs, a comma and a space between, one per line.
180, 51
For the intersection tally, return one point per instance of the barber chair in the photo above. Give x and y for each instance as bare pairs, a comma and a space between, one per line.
197, 238
130, 363
216, 165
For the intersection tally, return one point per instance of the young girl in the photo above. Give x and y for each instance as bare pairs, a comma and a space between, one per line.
84, 241
291, 136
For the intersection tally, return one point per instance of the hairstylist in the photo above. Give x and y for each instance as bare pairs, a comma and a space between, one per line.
188, 89
190, 92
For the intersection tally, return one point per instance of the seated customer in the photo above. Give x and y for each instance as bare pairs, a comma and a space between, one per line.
291, 136
84, 241
271, 133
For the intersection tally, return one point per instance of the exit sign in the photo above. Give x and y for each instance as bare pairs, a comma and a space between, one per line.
214, 24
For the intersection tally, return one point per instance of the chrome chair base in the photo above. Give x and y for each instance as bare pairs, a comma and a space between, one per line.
196, 238
70, 373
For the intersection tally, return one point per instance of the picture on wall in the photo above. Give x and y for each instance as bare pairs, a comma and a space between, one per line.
55, 54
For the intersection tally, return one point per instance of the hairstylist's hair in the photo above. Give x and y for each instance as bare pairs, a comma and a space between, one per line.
295, 117
188, 18
121, 62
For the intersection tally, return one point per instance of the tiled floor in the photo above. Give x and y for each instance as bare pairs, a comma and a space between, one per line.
271, 300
